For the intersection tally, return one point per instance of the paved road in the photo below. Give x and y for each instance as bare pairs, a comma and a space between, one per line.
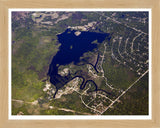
125, 91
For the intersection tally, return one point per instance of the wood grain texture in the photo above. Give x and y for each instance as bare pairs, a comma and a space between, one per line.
6, 4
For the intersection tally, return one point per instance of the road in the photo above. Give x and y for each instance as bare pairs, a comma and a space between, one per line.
133, 41
88, 106
125, 91
118, 22
70, 110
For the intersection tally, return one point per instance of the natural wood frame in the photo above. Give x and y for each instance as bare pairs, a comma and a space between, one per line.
6, 4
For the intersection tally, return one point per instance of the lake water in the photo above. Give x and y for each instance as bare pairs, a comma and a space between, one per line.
72, 48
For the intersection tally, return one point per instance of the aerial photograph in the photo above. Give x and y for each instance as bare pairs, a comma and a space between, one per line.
79, 62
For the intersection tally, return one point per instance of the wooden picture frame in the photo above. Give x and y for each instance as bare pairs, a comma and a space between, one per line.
4, 68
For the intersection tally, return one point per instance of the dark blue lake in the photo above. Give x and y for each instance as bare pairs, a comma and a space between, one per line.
71, 49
